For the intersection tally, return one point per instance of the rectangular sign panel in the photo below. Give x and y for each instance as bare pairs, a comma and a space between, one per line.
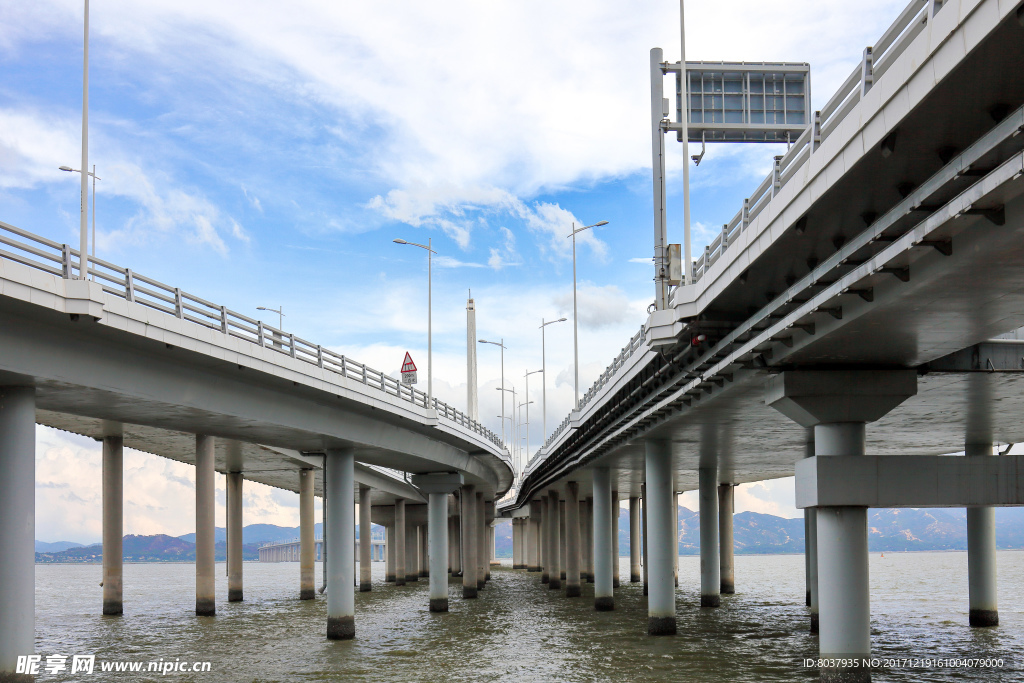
745, 101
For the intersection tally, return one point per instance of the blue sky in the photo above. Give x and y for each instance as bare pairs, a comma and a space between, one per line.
267, 154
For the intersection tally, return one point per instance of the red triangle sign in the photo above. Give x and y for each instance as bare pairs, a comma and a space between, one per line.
407, 364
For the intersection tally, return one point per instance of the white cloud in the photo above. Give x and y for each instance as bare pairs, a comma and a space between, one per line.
600, 307
505, 255
449, 262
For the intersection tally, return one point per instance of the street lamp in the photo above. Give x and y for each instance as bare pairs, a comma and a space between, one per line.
94, 179
502, 345
528, 402
280, 315
525, 457
543, 367
575, 317
512, 419
430, 351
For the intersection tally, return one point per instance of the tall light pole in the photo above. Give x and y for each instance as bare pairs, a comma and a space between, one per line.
83, 258
528, 402
91, 173
502, 345
544, 385
512, 419
430, 351
280, 315
575, 317
525, 453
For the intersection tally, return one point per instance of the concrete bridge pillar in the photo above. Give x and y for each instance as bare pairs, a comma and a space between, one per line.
483, 564
437, 487
811, 545
616, 511
981, 555
662, 548
389, 553
554, 527
545, 538
412, 553
307, 538
604, 594
726, 498
530, 545
469, 540
572, 540
838, 404
113, 518
643, 521
339, 485
563, 561
17, 533
710, 573
205, 505
365, 540
675, 539
398, 539
233, 495
424, 532
634, 539
588, 523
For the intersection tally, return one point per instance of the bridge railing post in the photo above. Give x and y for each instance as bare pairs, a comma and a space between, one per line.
867, 78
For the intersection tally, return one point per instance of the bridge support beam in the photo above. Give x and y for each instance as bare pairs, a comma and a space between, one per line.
604, 594
205, 506
398, 539
469, 535
233, 496
307, 537
437, 487
587, 539
389, 553
532, 563
113, 519
838, 404
662, 549
643, 521
710, 572
572, 540
555, 543
483, 563
726, 497
365, 541
412, 553
456, 537
634, 540
339, 479
17, 533
981, 556
616, 511
424, 533
545, 538
563, 542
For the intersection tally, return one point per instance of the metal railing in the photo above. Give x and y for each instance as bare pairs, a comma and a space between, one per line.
61, 260
634, 345
875, 61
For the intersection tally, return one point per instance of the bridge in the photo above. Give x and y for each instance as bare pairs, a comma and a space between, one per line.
855, 322
291, 551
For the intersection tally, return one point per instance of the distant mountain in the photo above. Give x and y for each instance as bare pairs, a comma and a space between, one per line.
271, 533
158, 548
55, 547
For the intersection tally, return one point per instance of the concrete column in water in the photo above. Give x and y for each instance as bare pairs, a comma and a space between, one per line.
339, 485
469, 536
113, 518
17, 533
307, 536
365, 540
412, 553
425, 547
604, 595
482, 561
398, 538
662, 547
572, 540
726, 544
389, 553
634, 539
205, 505
437, 487
675, 536
554, 526
562, 541
981, 556
616, 512
233, 495
588, 522
545, 538
456, 537
710, 576
530, 532
643, 521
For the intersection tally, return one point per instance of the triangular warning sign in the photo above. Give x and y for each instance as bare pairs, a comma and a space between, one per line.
407, 364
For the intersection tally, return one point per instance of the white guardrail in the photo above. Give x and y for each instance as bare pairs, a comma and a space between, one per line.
61, 260
876, 61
